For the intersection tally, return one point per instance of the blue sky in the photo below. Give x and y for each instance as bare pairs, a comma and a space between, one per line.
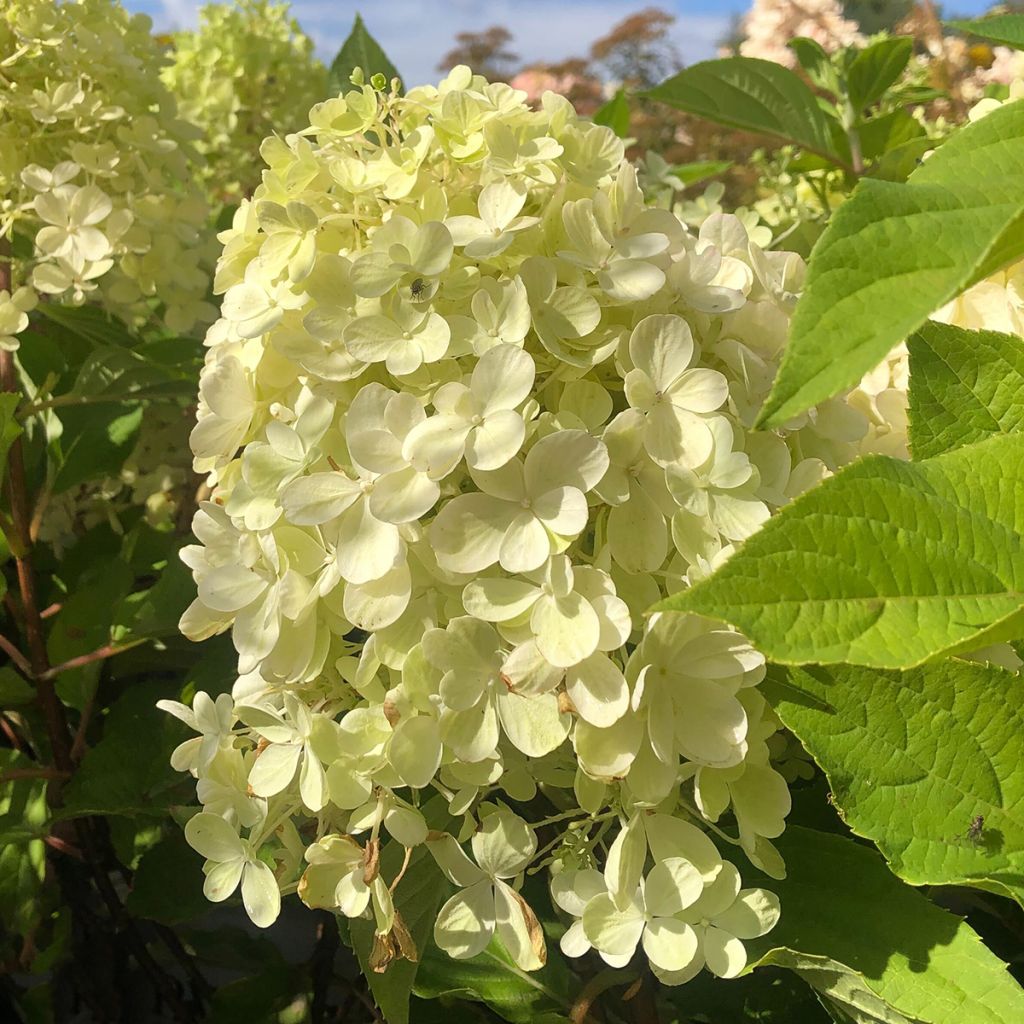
416, 33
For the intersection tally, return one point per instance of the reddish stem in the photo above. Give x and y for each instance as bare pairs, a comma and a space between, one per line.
17, 494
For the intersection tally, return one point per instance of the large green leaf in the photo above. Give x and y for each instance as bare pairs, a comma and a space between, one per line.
914, 757
964, 387
1007, 29
886, 564
362, 51
875, 946
752, 95
875, 68
895, 252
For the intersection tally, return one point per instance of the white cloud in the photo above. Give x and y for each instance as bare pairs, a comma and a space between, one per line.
417, 33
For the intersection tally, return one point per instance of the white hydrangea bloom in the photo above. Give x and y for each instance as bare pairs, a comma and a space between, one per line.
460, 438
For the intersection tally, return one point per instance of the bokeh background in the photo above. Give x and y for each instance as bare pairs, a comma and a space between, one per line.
416, 34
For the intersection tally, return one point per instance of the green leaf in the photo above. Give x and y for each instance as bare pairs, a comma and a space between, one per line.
360, 50
97, 441
10, 429
875, 68
615, 114
894, 253
417, 899
156, 612
869, 942
886, 564
13, 689
23, 817
699, 170
128, 772
113, 374
964, 387
898, 162
1007, 29
881, 134
83, 625
751, 95
518, 996
168, 884
88, 323
814, 60
769, 995
913, 757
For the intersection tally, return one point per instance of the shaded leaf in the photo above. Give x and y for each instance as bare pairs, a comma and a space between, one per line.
83, 625
154, 897
813, 59
10, 429
97, 440
876, 946
128, 771
13, 689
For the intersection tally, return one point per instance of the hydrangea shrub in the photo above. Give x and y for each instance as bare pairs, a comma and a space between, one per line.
472, 407
247, 70
95, 170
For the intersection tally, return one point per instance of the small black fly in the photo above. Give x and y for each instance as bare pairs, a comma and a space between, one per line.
976, 831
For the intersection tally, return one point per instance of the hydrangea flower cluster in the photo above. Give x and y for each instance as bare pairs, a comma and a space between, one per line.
247, 71
471, 409
94, 169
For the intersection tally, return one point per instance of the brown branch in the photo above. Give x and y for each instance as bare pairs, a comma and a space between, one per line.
107, 651
61, 846
46, 694
586, 1001
12, 736
78, 745
16, 656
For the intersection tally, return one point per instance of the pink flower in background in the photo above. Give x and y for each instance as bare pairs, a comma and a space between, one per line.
569, 79
771, 23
